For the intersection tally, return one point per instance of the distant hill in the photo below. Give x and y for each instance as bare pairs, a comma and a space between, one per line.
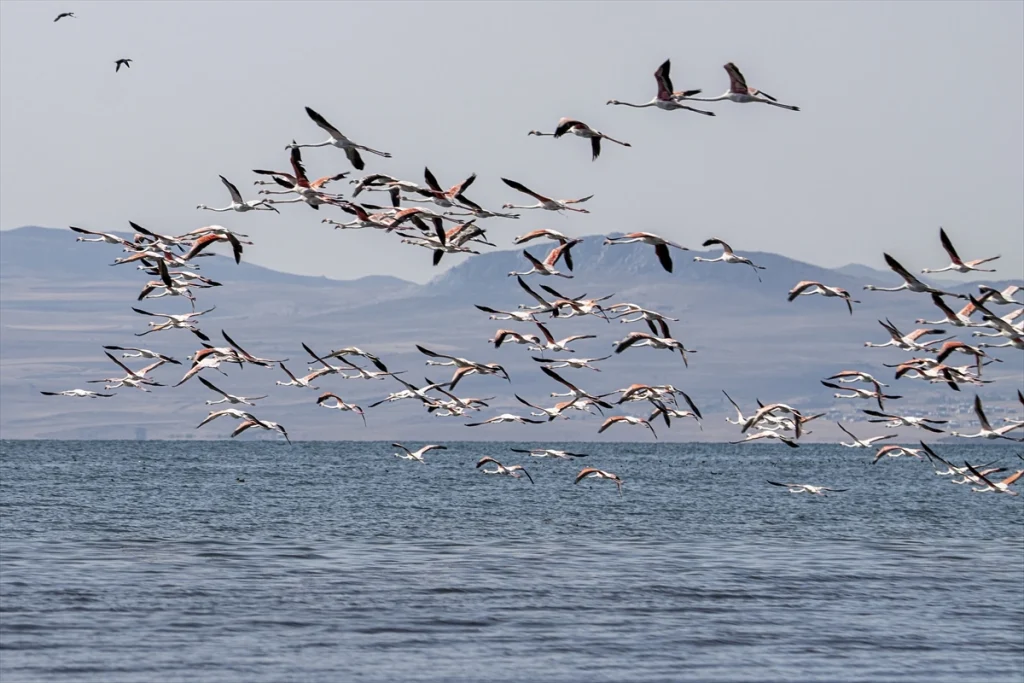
60, 302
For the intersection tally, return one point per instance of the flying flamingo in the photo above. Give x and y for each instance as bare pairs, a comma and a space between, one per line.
986, 431
728, 256
339, 140
237, 204
542, 201
594, 473
567, 125
417, 455
862, 443
740, 92
660, 244
808, 287
807, 488
956, 263
666, 99
510, 470
909, 281
547, 266
77, 393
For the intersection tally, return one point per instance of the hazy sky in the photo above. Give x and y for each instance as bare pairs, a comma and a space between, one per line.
913, 117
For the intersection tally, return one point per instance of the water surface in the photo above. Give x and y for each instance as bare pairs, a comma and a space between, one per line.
146, 561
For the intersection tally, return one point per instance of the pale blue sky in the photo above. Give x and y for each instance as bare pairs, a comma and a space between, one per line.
912, 118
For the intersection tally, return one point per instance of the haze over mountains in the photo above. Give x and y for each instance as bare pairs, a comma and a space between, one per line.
60, 302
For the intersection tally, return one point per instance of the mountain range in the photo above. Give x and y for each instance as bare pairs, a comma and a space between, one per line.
61, 301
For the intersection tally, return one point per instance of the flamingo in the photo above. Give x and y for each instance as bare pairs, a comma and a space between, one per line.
248, 357
628, 420
660, 244
549, 413
961, 318
728, 256
767, 434
740, 92
506, 417
411, 392
465, 366
578, 363
107, 237
229, 398
574, 391
769, 410
594, 473
518, 316
213, 238
664, 392
622, 310
907, 342
544, 202
181, 321
862, 393
668, 413
77, 393
577, 306
1002, 325
134, 378
910, 282
956, 263
949, 347
417, 454
547, 266
847, 376
338, 140
434, 193
567, 125
806, 488
304, 382
951, 469
665, 341
510, 470
893, 421
262, 424
142, 353
505, 336
169, 286
477, 211
237, 204
808, 287
548, 453
298, 182
339, 404
665, 98
543, 305
229, 412
862, 443
986, 431
1004, 297
456, 405
550, 344
997, 486
544, 232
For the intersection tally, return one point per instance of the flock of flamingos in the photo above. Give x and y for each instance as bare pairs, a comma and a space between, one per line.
170, 261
